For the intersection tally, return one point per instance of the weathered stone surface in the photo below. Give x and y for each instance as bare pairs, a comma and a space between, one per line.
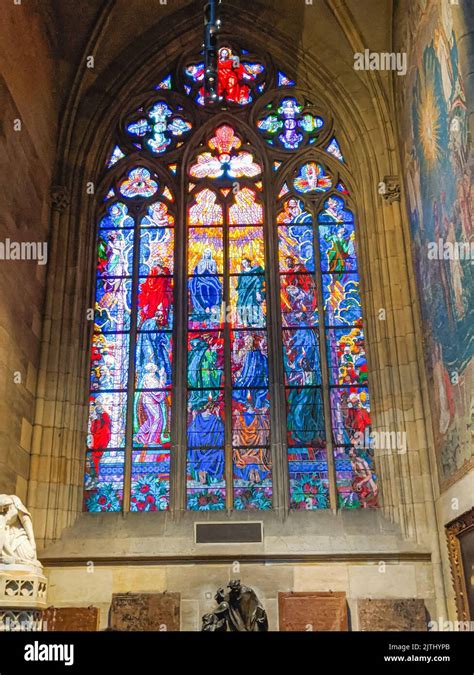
145, 612
392, 615
82, 619
307, 611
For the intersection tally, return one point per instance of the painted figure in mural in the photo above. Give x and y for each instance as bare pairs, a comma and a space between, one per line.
100, 434
250, 294
17, 540
156, 295
150, 408
205, 289
363, 483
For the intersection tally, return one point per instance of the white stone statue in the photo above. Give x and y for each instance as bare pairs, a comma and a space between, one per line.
17, 540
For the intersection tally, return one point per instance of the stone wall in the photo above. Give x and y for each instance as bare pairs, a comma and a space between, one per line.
27, 151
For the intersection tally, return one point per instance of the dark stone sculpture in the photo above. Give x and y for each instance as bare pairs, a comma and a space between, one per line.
237, 610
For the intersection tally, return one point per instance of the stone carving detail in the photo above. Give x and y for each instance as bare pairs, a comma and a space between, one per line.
21, 620
390, 189
59, 198
17, 540
237, 610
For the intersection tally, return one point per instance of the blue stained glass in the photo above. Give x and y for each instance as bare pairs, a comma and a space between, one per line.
334, 211
206, 487
109, 361
165, 83
154, 349
115, 253
116, 156
334, 149
252, 479
139, 128
156, 251
301, 357
296, 249
350, 411
305, 416
356, 481
284, 81
341, 299
337, 246
113, 302
117, 216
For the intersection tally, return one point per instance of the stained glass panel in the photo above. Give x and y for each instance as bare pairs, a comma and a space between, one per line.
205, 418
156, 251
246, 243
206, 487
312, 178
115, 253
158, 216
301, 357
298, 300
117, 216
252, 479
205, 301
109, 361
247, 298
205, 209
103, 484
250, 417
155, 302
150, 480
309, 478
341, 299
249, 359
107, 417
305, 416
206, 250
356, 481
205, 360
139, 184
245, 209
337, 247
350, 410
153, 356
346, 356
113, 303
296, 250
151, 412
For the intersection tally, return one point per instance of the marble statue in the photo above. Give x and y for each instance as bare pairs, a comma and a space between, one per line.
238, 610
17, 540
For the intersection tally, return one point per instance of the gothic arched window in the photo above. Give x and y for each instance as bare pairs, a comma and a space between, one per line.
228, 367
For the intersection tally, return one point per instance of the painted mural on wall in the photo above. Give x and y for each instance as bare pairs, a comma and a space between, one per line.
434, 129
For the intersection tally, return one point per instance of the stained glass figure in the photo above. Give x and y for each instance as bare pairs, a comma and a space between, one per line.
115, 157
236, 78
355, 478
289, 125
284, 81
161, 129
312, 178
334, 149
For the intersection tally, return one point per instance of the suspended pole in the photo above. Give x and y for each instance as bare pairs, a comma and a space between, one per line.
211, 29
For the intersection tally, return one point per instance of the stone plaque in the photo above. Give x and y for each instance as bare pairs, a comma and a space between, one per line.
145, 612
391, 615
313, 611
83, 619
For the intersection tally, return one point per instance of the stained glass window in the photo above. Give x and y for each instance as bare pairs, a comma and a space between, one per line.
227, 309
228, 397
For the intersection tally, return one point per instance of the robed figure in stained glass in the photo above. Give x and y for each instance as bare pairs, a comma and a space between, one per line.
151, 411
205, 289
250, 294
